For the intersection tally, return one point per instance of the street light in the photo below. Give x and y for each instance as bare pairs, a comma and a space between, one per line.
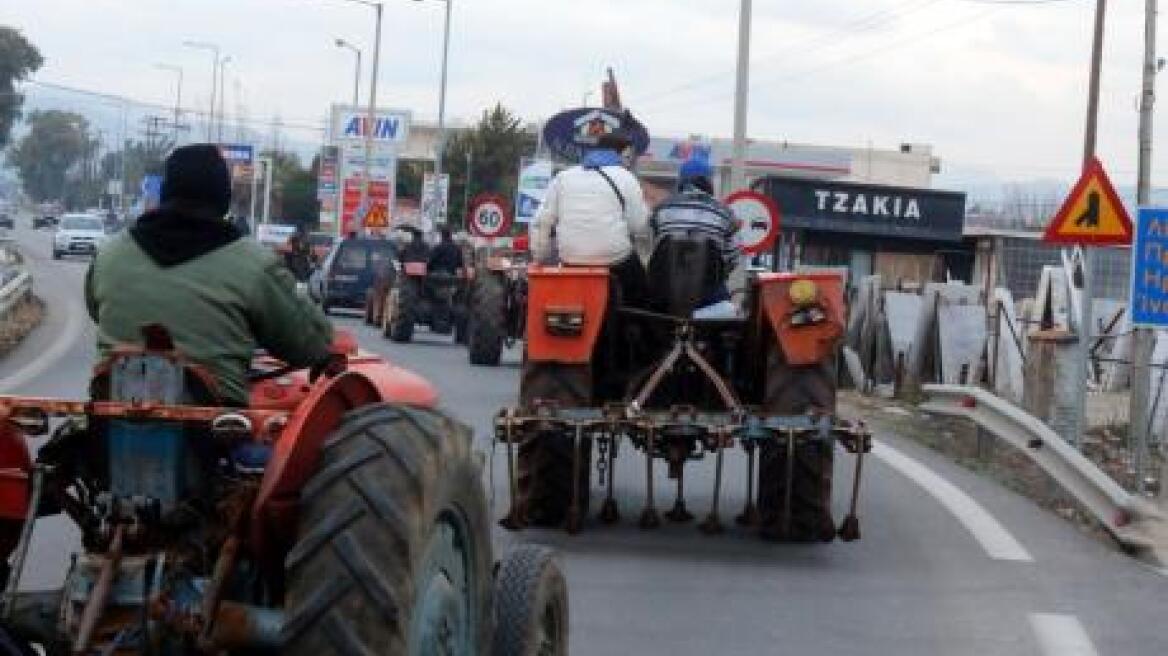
214, 49
177, 95
440, 142
341, 43
222, 93
371, 117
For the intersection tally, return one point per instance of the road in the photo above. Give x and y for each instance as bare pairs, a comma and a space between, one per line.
949, 563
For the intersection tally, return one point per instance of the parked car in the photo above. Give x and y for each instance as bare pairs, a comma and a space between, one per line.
78, 234
43, 221
343, 280
6, 221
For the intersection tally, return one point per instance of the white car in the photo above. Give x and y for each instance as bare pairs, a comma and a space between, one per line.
78, 234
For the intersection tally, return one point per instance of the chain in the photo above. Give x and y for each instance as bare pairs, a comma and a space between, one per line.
602, 461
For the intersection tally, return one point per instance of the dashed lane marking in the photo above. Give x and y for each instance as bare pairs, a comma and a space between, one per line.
998, 543
1061, 635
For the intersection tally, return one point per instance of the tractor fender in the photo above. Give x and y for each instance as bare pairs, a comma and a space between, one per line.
296, 453
565, 289
803, 345
15, 469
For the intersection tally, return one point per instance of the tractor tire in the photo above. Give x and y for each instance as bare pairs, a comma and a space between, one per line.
401, 307
545, 458
488, 321
531, 604
394, 549
794, 391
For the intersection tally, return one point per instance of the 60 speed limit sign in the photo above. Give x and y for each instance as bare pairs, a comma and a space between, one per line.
489, 216
760, 220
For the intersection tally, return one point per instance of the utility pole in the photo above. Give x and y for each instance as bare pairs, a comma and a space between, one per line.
371, 124
222, 94
1086, 320
440, 142
741, 91
1143, 339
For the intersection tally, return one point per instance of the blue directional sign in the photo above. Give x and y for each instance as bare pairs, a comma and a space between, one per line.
151, 190
1149, 265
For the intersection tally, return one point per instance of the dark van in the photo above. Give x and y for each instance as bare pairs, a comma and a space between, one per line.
349, 270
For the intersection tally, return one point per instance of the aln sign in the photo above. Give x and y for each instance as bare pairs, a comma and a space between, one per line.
842, 202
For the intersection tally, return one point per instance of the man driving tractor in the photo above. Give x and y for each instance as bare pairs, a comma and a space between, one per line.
598, 213
220, 297
693, 212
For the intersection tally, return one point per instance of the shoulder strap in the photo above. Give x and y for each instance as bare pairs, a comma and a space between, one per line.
615, 189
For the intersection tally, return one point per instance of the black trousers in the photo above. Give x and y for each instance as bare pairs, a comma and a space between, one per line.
633, 282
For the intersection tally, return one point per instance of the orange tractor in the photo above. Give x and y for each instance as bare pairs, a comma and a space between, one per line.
336, 514
598, 374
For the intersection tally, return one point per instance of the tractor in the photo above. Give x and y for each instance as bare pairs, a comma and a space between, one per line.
337, 513
600, 376
418, 296
497, 304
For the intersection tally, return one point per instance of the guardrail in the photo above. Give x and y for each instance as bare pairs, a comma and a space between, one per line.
1134, 522
15, 286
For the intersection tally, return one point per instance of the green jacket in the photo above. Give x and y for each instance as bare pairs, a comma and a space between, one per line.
219, 307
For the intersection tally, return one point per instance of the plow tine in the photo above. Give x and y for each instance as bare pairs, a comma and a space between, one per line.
713, 523
749, 516
679, 514
573, 523
849, 529
788, 484
609, 514
649, 517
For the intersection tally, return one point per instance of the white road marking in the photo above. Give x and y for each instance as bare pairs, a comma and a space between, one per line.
55, 351
998, 543
1061, 635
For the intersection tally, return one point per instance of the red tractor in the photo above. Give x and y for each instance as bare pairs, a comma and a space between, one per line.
599, 376
337, 514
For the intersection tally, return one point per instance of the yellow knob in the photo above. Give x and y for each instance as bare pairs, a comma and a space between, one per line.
803, 292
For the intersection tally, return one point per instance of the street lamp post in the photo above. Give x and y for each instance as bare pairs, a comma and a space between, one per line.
214, 49
440, 142
222, 94
177, 95
341, 43
741, 91
371, 117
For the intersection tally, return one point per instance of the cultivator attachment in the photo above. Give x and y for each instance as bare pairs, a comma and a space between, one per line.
676, 435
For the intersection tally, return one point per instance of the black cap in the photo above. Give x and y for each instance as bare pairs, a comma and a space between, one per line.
197, 174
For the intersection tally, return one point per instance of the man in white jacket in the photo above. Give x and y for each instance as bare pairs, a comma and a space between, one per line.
598, 213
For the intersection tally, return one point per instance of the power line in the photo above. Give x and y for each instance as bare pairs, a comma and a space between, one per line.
893, 45
865, 22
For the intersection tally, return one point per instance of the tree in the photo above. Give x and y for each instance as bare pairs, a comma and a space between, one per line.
496, 145
18, 58
294, 190
56, 142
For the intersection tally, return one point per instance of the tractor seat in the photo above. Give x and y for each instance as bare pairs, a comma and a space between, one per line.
683, 272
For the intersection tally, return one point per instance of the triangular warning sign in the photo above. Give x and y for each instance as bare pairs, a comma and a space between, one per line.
1092, 214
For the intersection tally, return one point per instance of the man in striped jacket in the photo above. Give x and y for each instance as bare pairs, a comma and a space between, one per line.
694, 211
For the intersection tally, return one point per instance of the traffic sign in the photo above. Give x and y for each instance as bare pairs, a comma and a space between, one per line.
1092, 214
760, 220
489, 216
1149, 270
377, 216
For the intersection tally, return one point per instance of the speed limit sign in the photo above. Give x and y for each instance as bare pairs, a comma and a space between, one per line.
760, 220
489, 216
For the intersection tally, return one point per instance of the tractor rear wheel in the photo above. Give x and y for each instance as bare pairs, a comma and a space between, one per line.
401, 307
794, 390
488, 318
394, 549
545, 457
531, 604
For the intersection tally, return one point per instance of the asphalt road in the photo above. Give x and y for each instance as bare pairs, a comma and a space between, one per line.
949, 563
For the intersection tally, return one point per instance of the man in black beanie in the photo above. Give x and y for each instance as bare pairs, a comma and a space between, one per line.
184, 266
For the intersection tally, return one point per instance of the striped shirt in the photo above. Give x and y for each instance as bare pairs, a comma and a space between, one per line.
694, 213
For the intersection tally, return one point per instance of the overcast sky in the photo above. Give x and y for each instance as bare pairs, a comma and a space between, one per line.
997, 89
